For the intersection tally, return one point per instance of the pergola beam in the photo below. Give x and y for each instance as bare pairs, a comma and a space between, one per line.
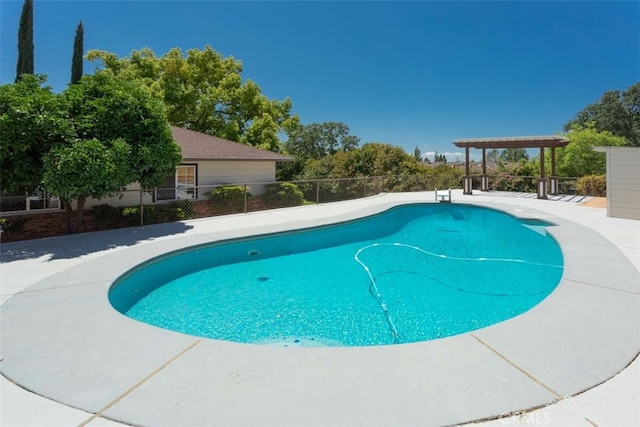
513, 142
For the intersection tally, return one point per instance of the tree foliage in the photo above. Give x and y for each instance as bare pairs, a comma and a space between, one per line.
25, 64
513, 155
617, 112
78, 51
518, 176
105, 108
83, 169
87, 168
33, 119
492, 155
578, 158
417, 153
372, 159
204, 91
318, 140
90, 141
439, 158
315, 141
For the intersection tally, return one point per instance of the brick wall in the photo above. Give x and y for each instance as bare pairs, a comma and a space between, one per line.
39, 225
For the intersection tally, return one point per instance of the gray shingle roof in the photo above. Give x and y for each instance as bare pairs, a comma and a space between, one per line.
200, 146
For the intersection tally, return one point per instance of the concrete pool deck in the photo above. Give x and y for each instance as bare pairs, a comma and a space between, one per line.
61, 339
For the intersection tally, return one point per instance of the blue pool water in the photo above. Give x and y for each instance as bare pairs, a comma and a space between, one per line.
413, 273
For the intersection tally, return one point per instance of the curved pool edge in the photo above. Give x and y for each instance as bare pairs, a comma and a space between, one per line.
139, 283
72, 347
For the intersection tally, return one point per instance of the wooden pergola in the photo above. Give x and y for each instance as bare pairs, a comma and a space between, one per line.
524, 142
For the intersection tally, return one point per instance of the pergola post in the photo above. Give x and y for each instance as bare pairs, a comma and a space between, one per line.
467, 183
484, 179
553, 179
542, 181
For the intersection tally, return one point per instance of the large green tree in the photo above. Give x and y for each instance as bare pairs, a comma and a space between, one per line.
417, 153
105, 107
492, 155
25, 64
439, 158
83, 169
617, 112
204, 91
513, 155
578, 158
118, 124
33, 119
372, 159
315, 141
78, 51
99, 135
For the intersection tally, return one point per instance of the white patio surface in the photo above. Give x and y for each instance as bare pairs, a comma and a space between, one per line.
602, 303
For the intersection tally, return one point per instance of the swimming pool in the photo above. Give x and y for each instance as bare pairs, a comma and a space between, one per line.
413, 273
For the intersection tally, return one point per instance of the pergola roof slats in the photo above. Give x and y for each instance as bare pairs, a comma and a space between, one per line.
513, 142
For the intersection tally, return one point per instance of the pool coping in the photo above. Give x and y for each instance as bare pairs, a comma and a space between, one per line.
61, 339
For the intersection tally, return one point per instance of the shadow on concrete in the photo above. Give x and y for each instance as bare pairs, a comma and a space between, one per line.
77, 245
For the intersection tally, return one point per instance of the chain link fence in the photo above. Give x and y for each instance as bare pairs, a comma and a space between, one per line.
526, 184
31, 203
136, 207
142, 207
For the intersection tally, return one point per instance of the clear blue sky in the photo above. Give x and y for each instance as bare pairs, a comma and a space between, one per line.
406, 73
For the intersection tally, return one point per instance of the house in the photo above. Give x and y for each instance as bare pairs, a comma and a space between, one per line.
208, 161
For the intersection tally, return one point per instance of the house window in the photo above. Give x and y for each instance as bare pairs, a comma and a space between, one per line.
186, 182
181, 185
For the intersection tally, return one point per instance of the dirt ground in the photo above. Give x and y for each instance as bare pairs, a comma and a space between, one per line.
595, 202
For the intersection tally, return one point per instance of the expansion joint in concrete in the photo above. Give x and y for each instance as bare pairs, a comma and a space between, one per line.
138, 384
529, 375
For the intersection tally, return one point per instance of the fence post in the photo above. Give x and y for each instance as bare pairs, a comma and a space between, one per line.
317, 192
141, 207
245, 198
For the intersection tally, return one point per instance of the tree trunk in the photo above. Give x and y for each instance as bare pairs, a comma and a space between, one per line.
68, 209
77, 227
74, 218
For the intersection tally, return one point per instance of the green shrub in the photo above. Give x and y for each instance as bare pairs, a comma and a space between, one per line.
180, 210
230, 198
151, 215
592, 185
524, 184
106, 215
132, 215
130, 211
12, 225
282, 194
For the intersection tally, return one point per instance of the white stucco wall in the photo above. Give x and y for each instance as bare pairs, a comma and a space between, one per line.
209, 174
215, 172
129, 197
623, 181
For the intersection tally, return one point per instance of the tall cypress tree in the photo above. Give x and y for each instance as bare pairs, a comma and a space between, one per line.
78, 50
25, 41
